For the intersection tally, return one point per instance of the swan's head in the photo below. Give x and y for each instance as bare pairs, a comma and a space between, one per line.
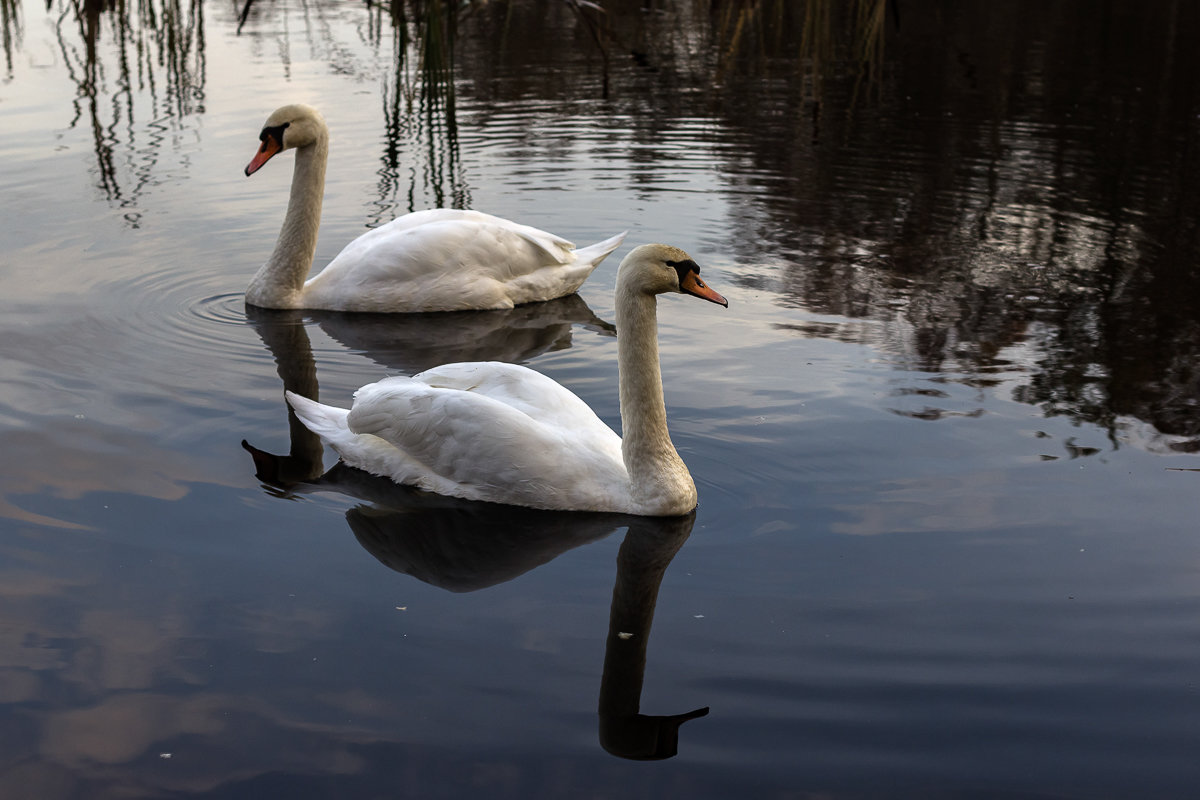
660, 268
295, 125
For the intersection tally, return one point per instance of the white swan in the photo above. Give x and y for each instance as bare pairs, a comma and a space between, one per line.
506, 434
437, 260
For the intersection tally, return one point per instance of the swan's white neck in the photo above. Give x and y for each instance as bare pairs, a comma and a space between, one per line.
660, 480
280, 281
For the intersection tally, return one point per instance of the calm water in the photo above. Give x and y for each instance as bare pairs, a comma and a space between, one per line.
946, 435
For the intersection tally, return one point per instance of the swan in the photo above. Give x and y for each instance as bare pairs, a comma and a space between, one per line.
436, 260
504, 433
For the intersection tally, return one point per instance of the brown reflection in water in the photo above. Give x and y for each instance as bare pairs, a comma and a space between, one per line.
975, 175
77, 457
814, 39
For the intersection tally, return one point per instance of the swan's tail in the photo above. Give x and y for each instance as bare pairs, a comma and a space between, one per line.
325, 421
593, 254
566, 276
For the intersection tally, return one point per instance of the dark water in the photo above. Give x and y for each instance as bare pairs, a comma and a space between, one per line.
945, 436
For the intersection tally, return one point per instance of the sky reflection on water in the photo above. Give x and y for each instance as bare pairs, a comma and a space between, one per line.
944, 437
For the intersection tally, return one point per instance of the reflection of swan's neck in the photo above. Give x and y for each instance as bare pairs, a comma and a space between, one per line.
279, 282
658, 475
641, 562
284, 335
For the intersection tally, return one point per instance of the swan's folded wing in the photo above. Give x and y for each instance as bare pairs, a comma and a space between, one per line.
505, 251
446, 265
555, 246
524, 389
475, 442
457, 240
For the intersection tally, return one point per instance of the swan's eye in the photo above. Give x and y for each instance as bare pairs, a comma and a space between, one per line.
682, 268
273, 132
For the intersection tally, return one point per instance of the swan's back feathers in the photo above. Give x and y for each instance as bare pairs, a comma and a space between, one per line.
553, 246
448, 260
524, 389
495, 432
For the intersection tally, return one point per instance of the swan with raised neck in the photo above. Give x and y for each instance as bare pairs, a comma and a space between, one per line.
433, 260
504, 433
658, 477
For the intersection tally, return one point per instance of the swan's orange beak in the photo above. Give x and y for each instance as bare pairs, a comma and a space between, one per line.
691, 284
270, 146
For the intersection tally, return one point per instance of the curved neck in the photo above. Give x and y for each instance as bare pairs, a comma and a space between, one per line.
657, 472
279, 281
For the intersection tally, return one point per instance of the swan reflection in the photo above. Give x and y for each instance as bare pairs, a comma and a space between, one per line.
464, 546
645, 554
411, 343
456, 545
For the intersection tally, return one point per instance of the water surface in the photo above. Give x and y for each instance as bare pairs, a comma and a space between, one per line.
944, 436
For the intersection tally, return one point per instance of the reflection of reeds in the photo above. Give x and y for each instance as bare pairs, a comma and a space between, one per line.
153, 55
419, 102
818, 35
10, 32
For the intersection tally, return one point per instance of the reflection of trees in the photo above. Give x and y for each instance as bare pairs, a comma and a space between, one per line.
419, 104
144, 61
10, 32
800, 42
1002, 196
410, 50
978, 176
932, 166
993, 189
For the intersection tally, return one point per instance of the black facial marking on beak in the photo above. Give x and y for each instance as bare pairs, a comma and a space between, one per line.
683, 268
274, 132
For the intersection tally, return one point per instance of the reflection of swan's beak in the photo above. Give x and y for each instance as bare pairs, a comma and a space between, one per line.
642, 737
691, 284
269, 148
266, 465
282, 472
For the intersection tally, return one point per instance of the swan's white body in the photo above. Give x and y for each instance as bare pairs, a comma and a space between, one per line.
506, 434
436, 260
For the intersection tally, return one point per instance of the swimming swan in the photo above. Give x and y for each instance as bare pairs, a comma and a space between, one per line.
436, 260
506, 434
